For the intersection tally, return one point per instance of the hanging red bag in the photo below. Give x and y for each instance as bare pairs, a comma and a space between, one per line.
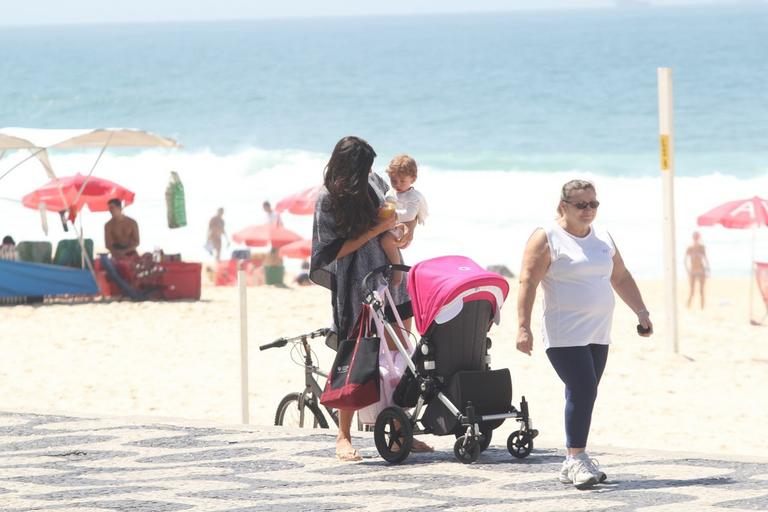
353, 381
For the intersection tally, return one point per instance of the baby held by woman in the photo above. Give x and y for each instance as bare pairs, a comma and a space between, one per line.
408, 204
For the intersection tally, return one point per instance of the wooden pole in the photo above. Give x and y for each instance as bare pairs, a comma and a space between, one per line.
667, 179
241, 283
752, 275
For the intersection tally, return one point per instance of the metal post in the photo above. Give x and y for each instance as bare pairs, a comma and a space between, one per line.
241, 283
667, 179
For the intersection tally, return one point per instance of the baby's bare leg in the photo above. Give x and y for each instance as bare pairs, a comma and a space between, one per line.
389, 244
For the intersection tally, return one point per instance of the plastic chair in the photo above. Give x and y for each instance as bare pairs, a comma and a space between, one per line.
35, 252
68, 253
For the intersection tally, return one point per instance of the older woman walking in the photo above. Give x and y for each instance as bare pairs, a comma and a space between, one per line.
578, 266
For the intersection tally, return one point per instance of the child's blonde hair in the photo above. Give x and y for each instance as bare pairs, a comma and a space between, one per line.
403, 165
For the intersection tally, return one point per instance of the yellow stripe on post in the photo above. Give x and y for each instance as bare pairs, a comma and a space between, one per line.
664, 152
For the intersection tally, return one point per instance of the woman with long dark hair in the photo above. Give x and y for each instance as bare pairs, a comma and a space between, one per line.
345, 247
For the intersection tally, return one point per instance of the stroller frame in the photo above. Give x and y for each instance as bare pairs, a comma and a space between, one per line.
395, 427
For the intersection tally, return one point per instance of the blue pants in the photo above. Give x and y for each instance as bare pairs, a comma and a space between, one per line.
580, 368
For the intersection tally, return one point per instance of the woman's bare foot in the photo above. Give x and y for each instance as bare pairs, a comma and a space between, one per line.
421, 447
345, 452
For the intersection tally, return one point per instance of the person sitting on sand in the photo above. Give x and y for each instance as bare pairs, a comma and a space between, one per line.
697, 265
303, 278
121, 233
411, 206
8, 249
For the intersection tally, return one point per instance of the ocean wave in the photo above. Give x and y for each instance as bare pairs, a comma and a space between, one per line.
485, 214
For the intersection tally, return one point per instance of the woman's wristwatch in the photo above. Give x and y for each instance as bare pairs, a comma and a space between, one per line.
643, 312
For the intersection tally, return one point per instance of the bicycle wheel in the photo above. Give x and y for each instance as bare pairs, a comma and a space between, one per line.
289, 414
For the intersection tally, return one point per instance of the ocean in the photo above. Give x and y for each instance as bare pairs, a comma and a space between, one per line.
498, 110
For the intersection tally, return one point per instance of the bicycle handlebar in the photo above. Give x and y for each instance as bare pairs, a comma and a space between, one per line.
381, 270
281, 342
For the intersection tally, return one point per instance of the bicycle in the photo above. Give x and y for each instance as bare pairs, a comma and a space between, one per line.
292, 408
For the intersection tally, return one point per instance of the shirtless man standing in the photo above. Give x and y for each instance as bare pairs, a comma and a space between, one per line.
121, 233
216, 231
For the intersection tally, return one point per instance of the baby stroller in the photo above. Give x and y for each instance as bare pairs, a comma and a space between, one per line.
448, 380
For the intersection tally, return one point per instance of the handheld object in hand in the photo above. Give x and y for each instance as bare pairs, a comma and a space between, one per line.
643, 330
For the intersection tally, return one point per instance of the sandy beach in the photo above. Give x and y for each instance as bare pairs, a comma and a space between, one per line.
182, 360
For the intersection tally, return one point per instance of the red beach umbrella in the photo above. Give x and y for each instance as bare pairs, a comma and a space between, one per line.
265, 234
742, 214
300, 249
95, 195
300, 203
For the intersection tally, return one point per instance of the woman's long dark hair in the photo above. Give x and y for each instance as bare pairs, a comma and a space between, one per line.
346, 178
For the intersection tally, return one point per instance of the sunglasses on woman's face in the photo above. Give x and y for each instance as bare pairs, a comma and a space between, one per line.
582, 205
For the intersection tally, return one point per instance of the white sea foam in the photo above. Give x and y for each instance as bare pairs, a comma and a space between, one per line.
487, 215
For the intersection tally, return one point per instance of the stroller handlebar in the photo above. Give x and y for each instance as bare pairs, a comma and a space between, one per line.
281, 342
382, 270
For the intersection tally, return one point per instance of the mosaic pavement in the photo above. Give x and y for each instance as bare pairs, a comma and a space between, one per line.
59, 463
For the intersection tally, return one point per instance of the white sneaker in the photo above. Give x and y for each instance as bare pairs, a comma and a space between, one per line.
581, 475
564, 477
594, 467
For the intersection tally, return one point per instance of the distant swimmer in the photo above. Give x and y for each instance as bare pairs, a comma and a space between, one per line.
121, 233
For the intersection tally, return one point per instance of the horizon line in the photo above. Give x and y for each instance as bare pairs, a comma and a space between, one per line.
512, 10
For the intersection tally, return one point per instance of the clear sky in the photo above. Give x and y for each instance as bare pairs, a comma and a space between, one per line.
35, 12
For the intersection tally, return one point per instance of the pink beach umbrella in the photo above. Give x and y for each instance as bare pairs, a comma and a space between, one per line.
265, 234
741, 214
74, 192
300, 203
300, 249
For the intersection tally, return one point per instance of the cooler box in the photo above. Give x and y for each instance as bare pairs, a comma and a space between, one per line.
181, 280
106, 286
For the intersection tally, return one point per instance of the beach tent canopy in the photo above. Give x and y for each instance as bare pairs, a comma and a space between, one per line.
39, 140
30, 138
12, 142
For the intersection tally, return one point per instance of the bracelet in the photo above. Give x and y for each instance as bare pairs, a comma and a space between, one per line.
643, 312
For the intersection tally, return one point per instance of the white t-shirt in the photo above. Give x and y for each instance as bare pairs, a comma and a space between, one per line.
411, 204
578, 297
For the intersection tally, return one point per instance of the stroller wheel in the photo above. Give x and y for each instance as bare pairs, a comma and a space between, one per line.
467, 450
485, 439
520, 444
393, 435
